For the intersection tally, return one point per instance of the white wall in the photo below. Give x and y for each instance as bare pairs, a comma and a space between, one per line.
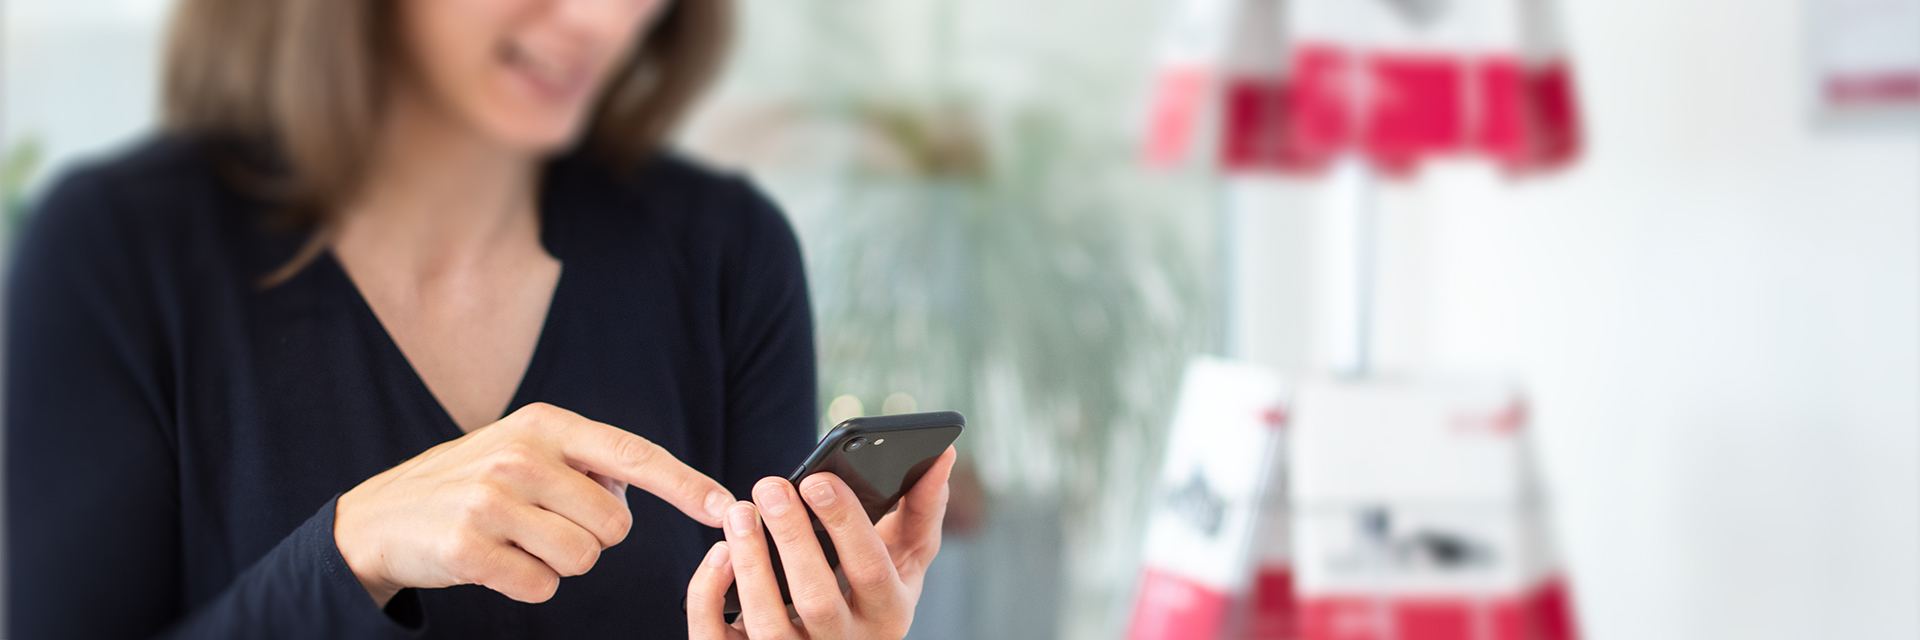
1717, 310
79, 75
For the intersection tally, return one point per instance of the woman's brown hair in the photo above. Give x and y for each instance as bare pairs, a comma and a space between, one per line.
304, 81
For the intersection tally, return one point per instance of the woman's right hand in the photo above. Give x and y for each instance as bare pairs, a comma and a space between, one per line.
512, 506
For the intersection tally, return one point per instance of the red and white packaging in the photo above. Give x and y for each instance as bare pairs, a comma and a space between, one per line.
1270, 611
1221, 78
1207, 503
1398, 81
1292, 85
1418, 517
1255, 95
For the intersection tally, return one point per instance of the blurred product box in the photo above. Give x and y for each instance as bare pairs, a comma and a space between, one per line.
1292, 86
1399, 82
1220, 84
1418, 516
1189, 66
1209, 507
1271, 610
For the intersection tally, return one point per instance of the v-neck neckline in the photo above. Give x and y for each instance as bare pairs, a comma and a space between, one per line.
390, 348
553, 234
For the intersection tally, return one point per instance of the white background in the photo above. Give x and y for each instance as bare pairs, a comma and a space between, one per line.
1717, 310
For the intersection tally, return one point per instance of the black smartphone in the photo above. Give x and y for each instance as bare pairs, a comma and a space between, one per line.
880, 458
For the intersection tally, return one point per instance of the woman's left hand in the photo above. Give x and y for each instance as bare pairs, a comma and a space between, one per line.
884, 564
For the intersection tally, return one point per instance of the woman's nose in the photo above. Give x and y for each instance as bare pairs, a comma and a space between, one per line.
605, 20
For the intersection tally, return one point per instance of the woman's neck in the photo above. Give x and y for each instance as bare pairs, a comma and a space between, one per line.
440, 199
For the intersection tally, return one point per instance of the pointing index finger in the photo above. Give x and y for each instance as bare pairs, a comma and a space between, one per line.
621, 455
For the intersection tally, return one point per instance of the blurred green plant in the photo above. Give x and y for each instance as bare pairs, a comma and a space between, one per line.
1040, 284
1025, 286
995, 252
17, 169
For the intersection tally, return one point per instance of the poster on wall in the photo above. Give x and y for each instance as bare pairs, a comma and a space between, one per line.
1864, 60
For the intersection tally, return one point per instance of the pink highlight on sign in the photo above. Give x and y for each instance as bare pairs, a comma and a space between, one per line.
1173, 607
1174, 117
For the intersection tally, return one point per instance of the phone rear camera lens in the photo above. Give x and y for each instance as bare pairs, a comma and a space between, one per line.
854, 445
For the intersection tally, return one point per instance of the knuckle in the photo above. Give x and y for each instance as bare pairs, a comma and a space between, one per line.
464, 556
537, 410
539, 416
746, 556
637, 452
535, 588
796, 535
580, 559
771, 622
785, 538
867, 572
513, 460
478, 502
618, 524
818, 607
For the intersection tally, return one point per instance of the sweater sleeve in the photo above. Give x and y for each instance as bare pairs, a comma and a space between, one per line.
767, 327
92, 477
303, 589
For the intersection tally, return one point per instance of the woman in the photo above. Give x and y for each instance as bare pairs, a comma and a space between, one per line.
258, 366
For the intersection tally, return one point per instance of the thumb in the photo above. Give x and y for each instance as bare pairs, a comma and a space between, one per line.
912, 532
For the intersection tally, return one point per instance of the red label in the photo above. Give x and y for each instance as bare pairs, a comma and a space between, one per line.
1173, 607
1552, 611
1275, 614
1398, 109
1542, 614
1894, 88
1253, 132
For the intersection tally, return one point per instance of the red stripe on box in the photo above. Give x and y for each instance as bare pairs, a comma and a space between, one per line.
1552, 611
1413, 618
1174, 607
1275, 613
1882, 89
1544, 613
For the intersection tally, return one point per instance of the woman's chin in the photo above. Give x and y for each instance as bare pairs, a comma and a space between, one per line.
539, 139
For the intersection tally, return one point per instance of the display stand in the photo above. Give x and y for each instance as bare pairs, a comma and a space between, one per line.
1352, 193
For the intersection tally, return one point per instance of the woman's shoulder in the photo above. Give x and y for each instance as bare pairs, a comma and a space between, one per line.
142, 211
148, 185
156, 162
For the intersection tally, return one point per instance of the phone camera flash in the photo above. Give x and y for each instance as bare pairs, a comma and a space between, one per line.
879, 442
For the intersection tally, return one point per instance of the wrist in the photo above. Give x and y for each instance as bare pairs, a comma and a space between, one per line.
366, 564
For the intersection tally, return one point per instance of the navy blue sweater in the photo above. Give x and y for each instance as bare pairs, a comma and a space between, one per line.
177, 435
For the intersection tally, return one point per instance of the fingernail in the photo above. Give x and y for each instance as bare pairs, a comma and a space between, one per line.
718, 556
820, 494
772, 497
717, 503
741, 518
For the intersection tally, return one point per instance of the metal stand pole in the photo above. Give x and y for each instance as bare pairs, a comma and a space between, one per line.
1354, 216
1226, 208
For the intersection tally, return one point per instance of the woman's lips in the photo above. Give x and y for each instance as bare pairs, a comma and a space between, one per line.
549, 77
